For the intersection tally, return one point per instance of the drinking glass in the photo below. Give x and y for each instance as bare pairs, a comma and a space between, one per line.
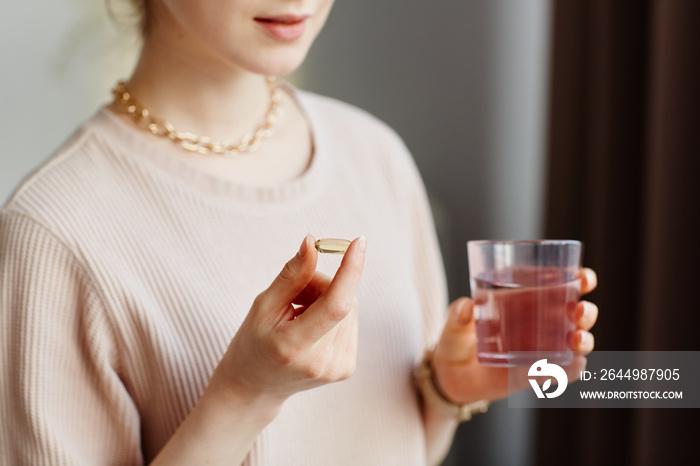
523, 291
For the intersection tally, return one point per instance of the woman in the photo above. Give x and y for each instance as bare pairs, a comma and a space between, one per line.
134, 328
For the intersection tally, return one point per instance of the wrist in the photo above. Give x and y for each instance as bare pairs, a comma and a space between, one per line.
426, 382
234, 401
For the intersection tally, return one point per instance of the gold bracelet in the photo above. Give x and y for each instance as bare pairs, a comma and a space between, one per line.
426, 385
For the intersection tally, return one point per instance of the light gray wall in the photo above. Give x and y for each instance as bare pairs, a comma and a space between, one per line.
463, 83
58, 61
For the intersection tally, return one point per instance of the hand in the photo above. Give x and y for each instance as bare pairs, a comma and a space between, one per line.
460, 377
279, 349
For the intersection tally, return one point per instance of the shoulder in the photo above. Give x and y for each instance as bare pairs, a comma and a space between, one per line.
368, 138
347, 118
61, 189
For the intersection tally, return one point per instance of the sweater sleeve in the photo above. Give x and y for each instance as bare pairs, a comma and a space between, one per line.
61, 398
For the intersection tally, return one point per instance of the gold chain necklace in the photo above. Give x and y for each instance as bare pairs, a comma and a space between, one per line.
190, 141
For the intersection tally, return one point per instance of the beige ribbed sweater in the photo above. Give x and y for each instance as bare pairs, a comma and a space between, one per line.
124, 274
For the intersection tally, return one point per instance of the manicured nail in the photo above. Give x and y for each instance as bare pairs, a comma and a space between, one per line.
362, 244
304, 246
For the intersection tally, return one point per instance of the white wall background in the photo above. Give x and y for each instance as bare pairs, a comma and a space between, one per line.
463, 82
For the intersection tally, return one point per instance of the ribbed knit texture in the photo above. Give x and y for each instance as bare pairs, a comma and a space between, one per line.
125, 272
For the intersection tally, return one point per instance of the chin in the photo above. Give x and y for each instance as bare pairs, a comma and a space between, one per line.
277, 63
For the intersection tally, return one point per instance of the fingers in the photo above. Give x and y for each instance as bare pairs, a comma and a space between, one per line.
584, 315
294, 277
346, 338
458, 339
581, 341
337, 301
459, 314
344, 284
589, 280
316, 287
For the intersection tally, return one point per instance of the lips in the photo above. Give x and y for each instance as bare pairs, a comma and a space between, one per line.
283, 27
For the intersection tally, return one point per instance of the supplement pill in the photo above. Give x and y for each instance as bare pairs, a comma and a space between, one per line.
332, 245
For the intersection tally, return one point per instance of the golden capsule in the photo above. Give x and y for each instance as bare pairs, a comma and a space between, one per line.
332, 245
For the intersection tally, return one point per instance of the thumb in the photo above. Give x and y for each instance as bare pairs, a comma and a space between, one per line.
458, 339
460, 315
296, 274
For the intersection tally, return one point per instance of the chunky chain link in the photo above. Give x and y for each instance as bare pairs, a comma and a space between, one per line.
190, 141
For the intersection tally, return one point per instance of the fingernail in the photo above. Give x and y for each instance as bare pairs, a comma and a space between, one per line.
304, 246
464, 316
454, 315
583, 340
362, 244
591, 278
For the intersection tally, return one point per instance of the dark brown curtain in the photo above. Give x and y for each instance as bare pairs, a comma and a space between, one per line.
624, 177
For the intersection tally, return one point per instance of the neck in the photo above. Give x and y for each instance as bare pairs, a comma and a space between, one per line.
196, 93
